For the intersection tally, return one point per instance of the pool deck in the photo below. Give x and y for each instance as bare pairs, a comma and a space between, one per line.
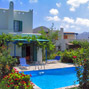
46, 66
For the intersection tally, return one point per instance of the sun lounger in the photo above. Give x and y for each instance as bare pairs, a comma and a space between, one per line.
23, 62
57, 58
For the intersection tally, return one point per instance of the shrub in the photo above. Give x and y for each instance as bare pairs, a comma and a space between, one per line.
67, 55
82, 68
52, 56
6, 62
80, 57
2, 85
17, 80
83, 44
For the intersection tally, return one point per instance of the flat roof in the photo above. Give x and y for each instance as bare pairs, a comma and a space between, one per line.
70, 33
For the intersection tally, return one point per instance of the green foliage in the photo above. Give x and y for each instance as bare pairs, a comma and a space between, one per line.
52, 36
6, 62
2, 85
67, 56
17, 81
75, 42
83, 44
10, 38
82, 67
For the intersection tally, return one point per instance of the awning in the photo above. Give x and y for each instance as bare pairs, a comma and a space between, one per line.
29, 39
26, 40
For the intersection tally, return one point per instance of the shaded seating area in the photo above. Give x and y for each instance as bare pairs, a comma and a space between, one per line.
57, 58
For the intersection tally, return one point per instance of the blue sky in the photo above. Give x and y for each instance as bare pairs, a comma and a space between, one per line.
73, 15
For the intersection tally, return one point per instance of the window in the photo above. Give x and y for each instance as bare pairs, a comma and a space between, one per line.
17, 26
65, 37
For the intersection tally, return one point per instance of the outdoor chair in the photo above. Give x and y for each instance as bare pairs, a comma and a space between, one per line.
57, 58
23, 62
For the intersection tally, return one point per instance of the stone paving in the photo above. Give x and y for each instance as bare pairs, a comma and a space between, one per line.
44, 66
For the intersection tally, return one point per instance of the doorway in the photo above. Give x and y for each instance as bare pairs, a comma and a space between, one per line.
26, 53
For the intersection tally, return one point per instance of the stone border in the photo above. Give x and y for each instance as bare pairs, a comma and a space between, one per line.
36, 87
68, 87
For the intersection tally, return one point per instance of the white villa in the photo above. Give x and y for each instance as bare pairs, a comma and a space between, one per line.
20, 23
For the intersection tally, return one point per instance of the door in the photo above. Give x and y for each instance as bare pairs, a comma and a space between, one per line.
28, 52
24, 51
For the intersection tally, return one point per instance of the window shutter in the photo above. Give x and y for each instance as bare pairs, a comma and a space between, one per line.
14, 25
20, 26
24, 51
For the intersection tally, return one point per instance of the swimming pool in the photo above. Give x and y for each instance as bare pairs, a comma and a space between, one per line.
54, 78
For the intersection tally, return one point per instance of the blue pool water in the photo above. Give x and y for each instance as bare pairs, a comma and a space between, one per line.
54, 78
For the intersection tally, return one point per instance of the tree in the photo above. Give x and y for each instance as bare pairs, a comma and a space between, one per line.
52, 36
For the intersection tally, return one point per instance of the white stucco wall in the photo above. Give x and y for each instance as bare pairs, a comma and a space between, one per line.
39, 55
7, 17
11, 48
26, 18
61, 42
3, 19
18, 50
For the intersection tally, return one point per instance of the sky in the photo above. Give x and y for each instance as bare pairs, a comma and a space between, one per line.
72, 15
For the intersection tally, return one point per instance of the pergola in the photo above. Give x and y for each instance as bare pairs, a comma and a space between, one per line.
26, 41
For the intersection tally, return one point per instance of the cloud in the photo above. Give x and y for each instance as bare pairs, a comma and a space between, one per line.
58, 4
81, 21
88, 6
67, 26
72, 26
54, 12
77, 21
54, 18
72, 9
68, 20
76, 3
33, 1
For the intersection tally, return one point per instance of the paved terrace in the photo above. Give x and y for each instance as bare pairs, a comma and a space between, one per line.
44, 66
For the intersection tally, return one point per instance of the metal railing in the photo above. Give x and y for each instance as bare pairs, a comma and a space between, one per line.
39, 65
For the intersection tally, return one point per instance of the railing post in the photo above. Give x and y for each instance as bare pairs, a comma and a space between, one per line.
46, 54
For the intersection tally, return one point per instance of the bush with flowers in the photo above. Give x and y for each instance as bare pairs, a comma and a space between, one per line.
6, 62
67, 55
81, 62
16, 80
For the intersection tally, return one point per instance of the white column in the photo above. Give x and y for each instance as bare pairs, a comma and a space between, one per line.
39, 54
18, 51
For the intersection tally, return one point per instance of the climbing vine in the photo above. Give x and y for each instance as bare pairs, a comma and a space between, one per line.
5, 38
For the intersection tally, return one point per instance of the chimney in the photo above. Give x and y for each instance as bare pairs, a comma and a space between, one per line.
62, 32
10, 16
